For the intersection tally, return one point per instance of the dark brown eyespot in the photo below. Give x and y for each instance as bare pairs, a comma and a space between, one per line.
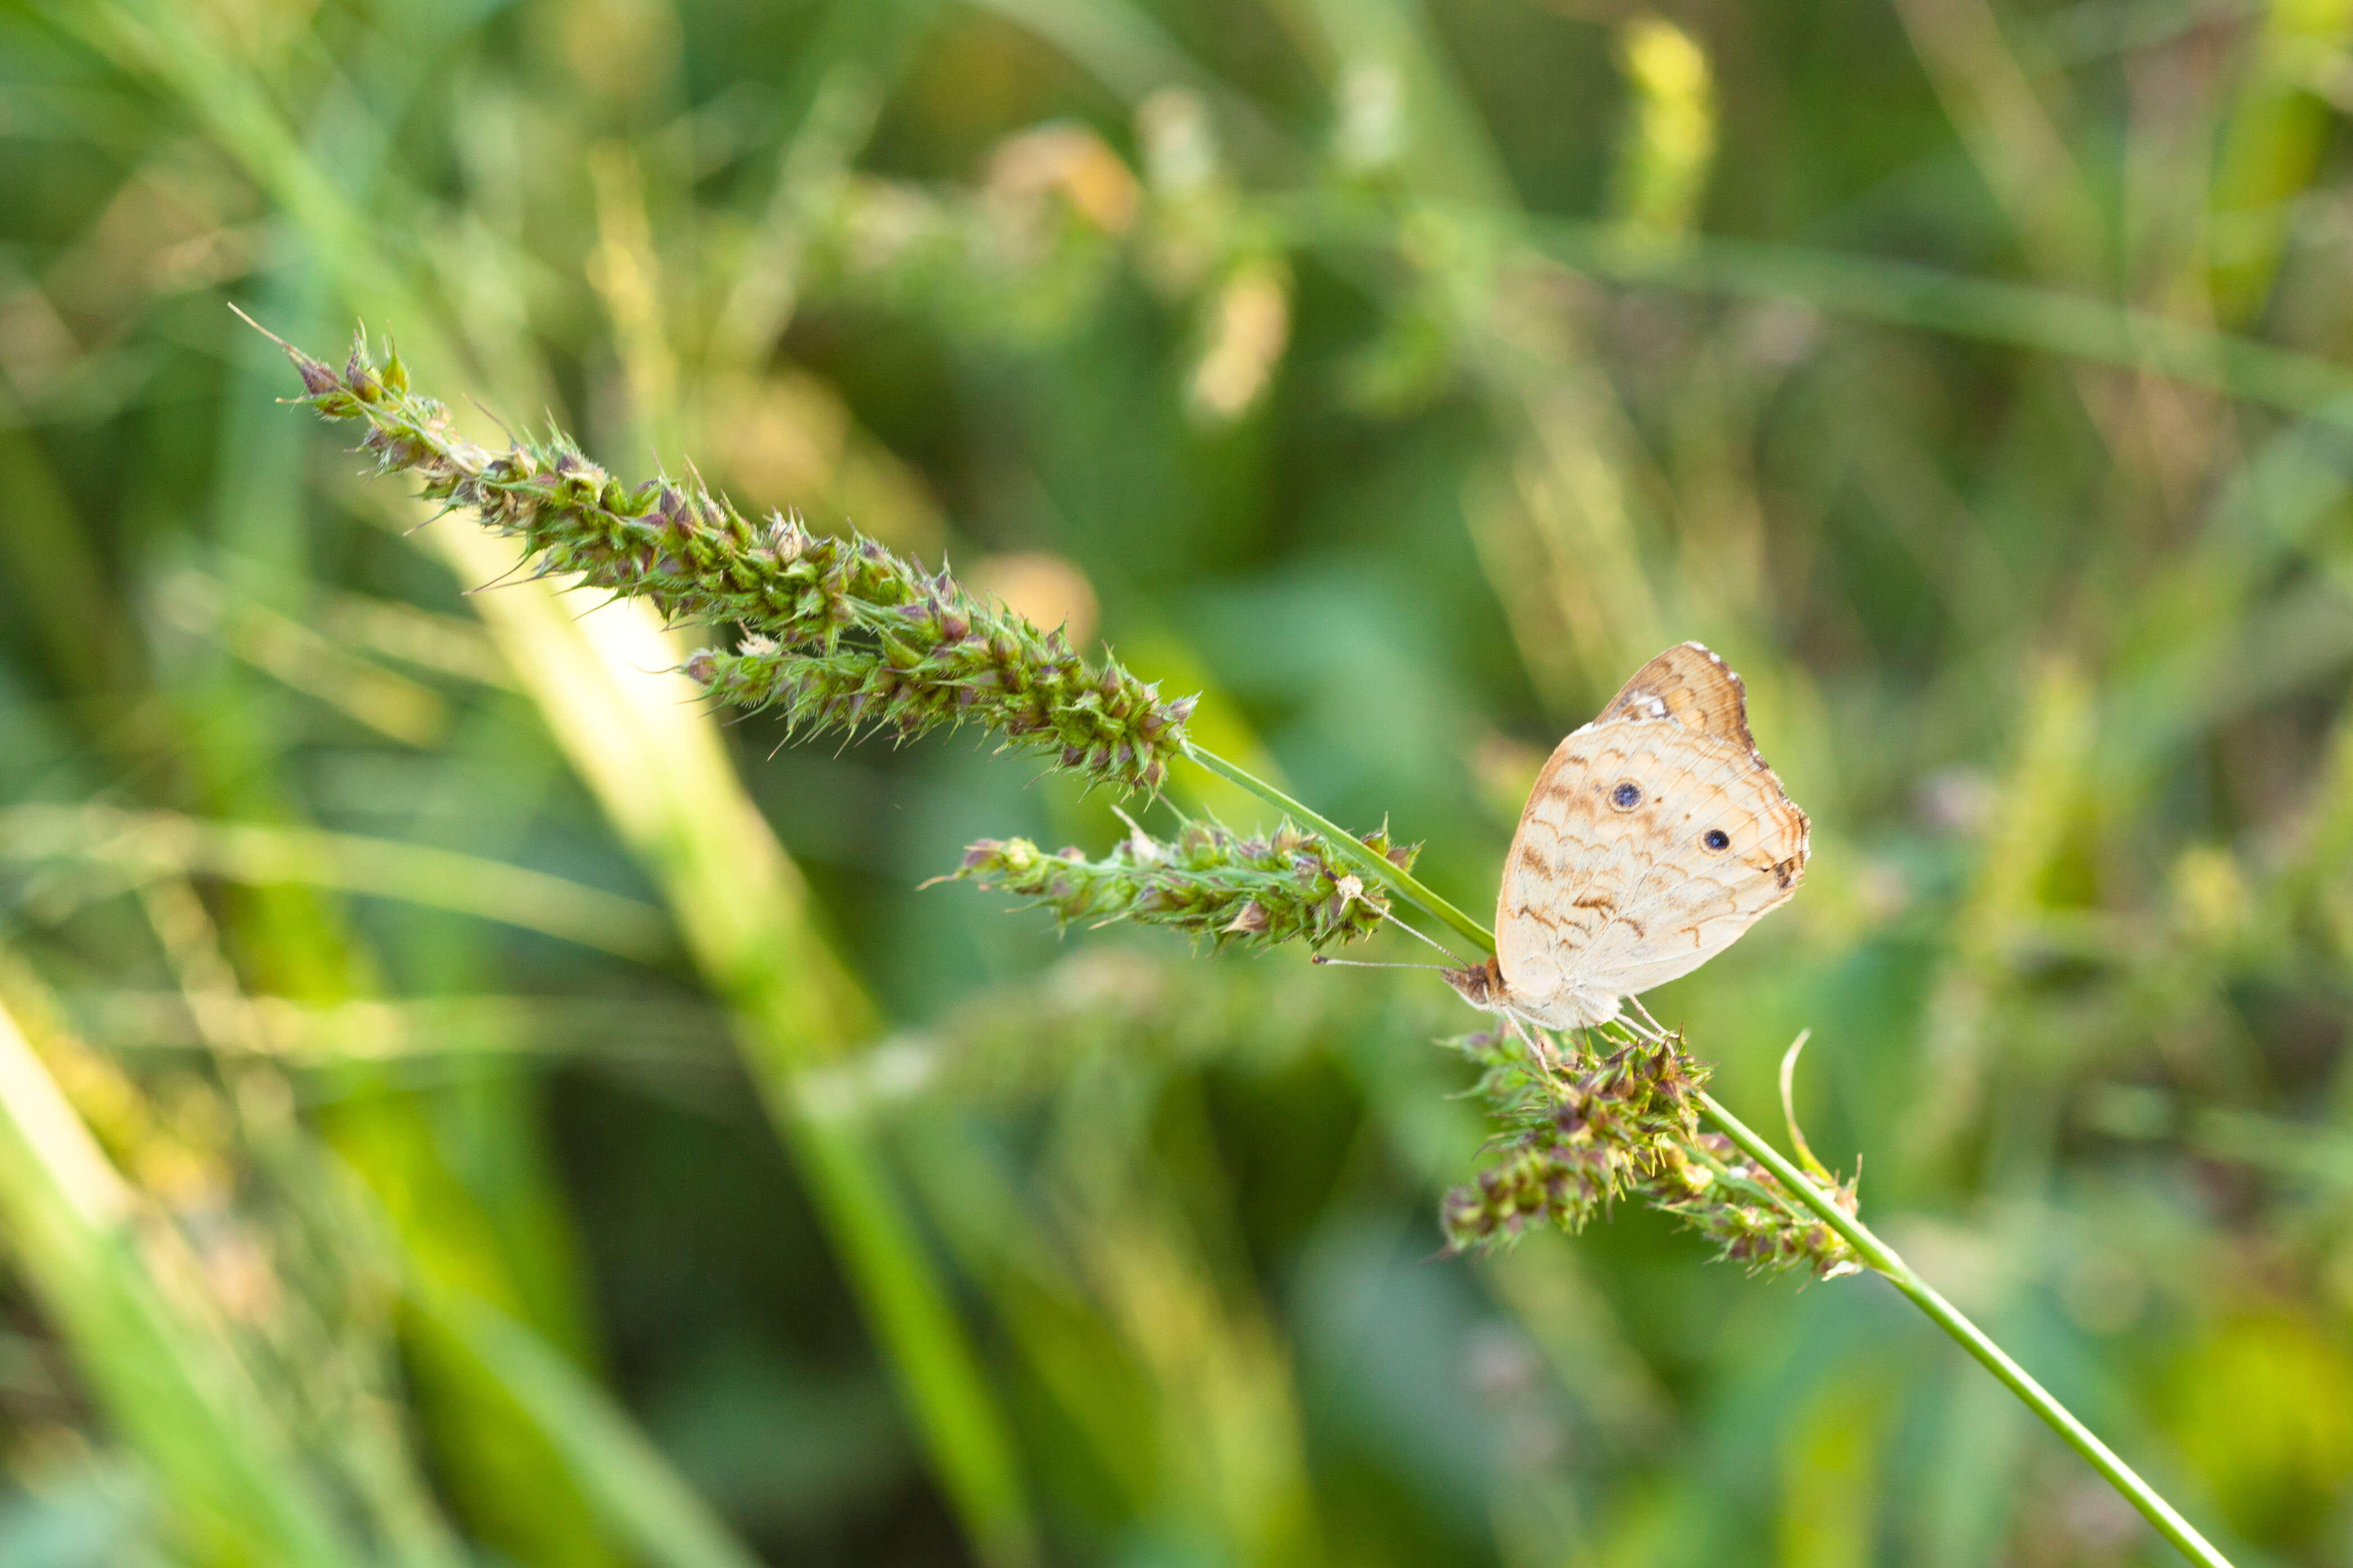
1716, 838
1627, 796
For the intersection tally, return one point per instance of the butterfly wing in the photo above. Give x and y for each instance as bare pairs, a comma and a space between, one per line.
1691, 686
1614, 884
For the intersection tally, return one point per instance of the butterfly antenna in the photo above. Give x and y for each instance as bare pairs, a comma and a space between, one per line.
1410, 932
1360, 963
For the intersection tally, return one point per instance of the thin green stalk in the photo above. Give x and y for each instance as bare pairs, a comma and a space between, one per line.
1407, 884
1881, 1257
1950, 1318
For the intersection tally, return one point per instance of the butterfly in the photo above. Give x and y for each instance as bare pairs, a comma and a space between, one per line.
1654, 837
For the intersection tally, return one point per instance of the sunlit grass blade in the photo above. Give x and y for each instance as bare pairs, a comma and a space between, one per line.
2272, 137
292, 654
654, 759
134, 846
675, 1037
500, 1470
626, 1479
732, 886
165, 1375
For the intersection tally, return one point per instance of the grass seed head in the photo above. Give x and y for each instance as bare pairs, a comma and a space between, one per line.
1207, 882
842, 633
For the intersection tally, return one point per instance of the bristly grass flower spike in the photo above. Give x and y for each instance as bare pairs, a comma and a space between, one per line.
840, 633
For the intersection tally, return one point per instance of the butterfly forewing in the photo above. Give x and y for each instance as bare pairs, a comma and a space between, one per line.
1653, 838
1691, 686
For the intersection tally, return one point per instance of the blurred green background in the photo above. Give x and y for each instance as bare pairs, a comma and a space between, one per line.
461, 1103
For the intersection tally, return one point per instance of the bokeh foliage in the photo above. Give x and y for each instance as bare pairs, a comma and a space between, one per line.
461, 1102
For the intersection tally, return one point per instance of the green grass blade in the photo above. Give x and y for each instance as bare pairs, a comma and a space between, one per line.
1988, 309
627, 1480
139, 846
655, 766
166, 1376
654, 760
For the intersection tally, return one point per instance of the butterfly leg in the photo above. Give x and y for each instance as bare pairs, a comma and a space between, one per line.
1657, 1033
1537, 1043
1625, 1026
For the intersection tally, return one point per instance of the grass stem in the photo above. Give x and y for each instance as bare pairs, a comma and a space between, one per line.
1881, 1257
1950, 1318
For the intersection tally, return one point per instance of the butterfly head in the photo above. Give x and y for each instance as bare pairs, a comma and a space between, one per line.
1480, 984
